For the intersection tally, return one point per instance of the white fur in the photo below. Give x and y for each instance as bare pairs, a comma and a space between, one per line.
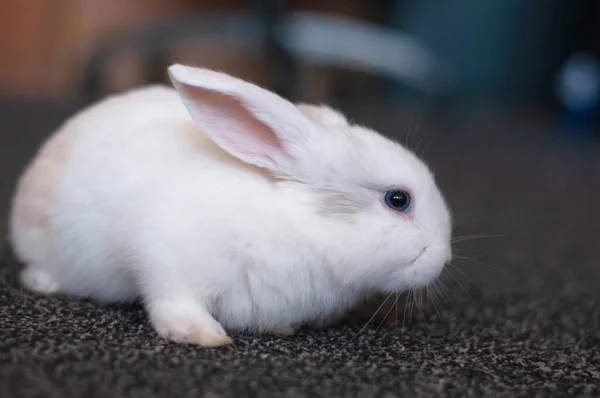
213, 225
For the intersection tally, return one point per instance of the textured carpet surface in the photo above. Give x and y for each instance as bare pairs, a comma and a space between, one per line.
520, 315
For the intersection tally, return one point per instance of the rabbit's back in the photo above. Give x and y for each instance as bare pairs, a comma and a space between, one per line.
75, 205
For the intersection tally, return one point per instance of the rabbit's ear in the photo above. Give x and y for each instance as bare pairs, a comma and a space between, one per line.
323, 114
251, 123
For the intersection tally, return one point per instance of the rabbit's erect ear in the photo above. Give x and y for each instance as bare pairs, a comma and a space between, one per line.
251, 123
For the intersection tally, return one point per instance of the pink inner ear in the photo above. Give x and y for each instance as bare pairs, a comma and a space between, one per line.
234, 128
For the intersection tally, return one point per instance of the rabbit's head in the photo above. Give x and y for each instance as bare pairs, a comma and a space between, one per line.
367, 201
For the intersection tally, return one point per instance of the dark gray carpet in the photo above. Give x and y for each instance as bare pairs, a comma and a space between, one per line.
521, 316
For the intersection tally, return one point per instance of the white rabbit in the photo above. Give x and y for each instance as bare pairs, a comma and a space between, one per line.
223, 206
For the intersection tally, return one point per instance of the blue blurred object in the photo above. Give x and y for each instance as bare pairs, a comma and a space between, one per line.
502, 51
578, 90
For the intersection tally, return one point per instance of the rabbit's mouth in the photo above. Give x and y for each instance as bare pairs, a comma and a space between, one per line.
419, 255
427, 266
424, 269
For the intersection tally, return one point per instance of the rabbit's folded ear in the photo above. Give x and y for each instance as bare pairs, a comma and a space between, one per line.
251, 123
323, 114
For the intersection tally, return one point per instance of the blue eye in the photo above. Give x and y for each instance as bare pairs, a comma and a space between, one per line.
398, 200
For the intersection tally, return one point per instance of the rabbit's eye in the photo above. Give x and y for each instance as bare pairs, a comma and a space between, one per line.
398, 200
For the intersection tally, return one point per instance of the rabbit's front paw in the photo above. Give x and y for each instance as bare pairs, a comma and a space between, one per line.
186, 322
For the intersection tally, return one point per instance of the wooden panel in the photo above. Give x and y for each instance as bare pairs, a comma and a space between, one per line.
26, 41
44, 43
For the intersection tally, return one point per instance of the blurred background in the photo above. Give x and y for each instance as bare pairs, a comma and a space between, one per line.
499, 96
531, 58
